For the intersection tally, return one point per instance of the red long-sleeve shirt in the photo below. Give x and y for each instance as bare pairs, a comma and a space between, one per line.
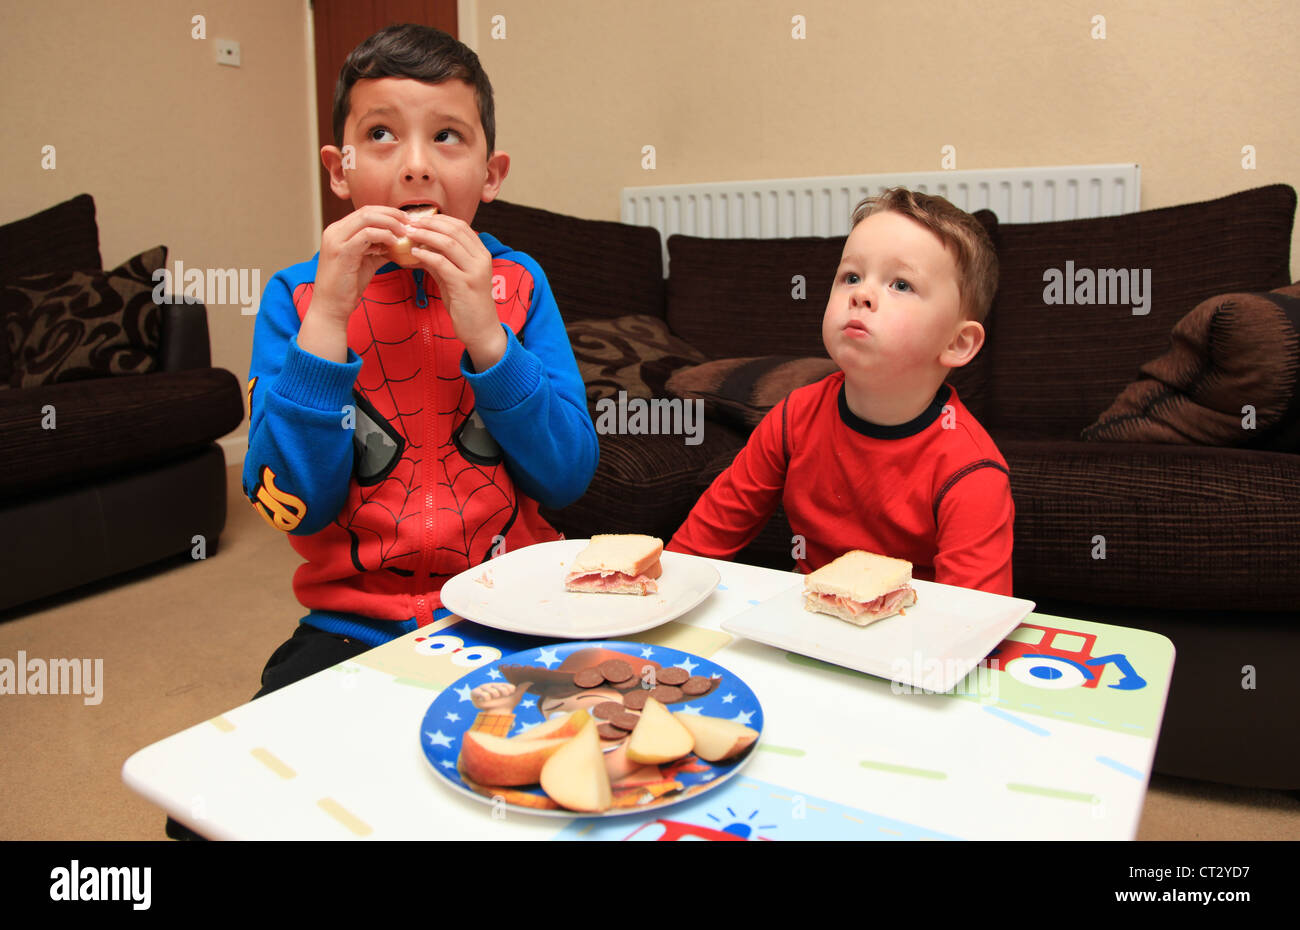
934, 491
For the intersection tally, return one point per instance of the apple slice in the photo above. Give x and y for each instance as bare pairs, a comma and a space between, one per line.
494, 760
563, 726
717, 739
575, 776
658, 736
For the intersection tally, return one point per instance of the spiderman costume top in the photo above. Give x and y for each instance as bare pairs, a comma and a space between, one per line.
402, 467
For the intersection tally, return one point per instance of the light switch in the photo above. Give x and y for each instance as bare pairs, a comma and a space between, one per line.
227, 52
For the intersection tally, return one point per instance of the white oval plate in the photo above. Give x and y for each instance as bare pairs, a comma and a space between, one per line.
523, 592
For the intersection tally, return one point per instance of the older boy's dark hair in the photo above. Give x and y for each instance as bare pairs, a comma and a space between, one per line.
977, 260
419, 52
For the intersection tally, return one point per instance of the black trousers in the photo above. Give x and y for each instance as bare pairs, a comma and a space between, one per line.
305, 653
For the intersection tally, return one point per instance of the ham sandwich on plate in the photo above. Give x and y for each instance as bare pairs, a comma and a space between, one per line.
860, 587
617, 564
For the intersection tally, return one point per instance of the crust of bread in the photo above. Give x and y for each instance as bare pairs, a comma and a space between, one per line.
860, 576
630, 553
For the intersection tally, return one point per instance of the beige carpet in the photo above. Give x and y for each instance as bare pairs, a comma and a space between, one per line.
186, 641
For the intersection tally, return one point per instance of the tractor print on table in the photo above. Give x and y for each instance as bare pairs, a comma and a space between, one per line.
1045, 664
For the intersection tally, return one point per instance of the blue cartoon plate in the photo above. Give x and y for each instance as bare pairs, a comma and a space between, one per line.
543, 686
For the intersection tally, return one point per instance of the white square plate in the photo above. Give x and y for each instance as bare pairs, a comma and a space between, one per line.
526, 594
933, 646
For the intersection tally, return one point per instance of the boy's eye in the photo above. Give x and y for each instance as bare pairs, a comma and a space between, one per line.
374, 133
902, 285
447, 135
851, 277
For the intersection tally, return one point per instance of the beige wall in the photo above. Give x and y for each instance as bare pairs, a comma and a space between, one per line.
723, 91
219, 163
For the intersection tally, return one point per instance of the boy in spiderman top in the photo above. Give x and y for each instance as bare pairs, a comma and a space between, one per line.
406, 422
882, 455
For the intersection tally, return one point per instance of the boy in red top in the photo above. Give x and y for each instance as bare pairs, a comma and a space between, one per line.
883, 455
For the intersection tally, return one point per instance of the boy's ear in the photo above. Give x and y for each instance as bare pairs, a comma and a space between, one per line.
966, 342
498, 166
332, 158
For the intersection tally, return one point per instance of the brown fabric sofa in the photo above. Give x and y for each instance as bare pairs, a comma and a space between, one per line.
1200, 542
109, 409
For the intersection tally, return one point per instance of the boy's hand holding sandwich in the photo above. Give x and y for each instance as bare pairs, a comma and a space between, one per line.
351, 251
452, 252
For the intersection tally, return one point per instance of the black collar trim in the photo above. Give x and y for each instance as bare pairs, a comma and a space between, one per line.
902, 430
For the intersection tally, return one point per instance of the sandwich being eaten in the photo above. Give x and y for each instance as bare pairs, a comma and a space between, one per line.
400, 251
860, 587
617, 564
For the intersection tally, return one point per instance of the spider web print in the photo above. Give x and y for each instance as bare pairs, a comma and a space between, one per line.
374, 523
470, 505
494, 510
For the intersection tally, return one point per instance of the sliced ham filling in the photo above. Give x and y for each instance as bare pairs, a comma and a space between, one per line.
886, 603
600, 582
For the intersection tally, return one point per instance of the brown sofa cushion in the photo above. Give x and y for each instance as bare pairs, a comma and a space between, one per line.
1184, 527
742, 390
1229, 379
89, 430
72, 325
595, 268
62, 238
1057, 367
635, 354
738, 298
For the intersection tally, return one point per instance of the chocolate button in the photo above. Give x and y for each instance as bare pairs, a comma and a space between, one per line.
626, 721
697, 685
615, 670
666, 694
589, 678
673, 676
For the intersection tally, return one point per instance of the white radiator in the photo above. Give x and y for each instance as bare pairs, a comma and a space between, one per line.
822, 206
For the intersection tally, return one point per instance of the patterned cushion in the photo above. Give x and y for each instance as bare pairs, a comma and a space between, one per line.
70, 325
1056, 366
634, 353
1231, 378
741, 391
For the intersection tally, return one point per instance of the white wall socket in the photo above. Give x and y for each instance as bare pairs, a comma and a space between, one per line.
227, 52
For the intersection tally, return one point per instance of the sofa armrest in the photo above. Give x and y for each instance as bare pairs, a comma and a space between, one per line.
183, 337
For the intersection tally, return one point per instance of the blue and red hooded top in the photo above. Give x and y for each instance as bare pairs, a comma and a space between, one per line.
403, 467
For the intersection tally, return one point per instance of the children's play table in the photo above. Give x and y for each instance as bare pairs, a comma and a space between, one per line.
1057, 742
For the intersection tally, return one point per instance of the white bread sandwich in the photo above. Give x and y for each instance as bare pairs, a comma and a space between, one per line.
400, 251
860, 587
617, 564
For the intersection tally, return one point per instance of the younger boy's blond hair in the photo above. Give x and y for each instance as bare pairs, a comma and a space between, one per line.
977, 261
